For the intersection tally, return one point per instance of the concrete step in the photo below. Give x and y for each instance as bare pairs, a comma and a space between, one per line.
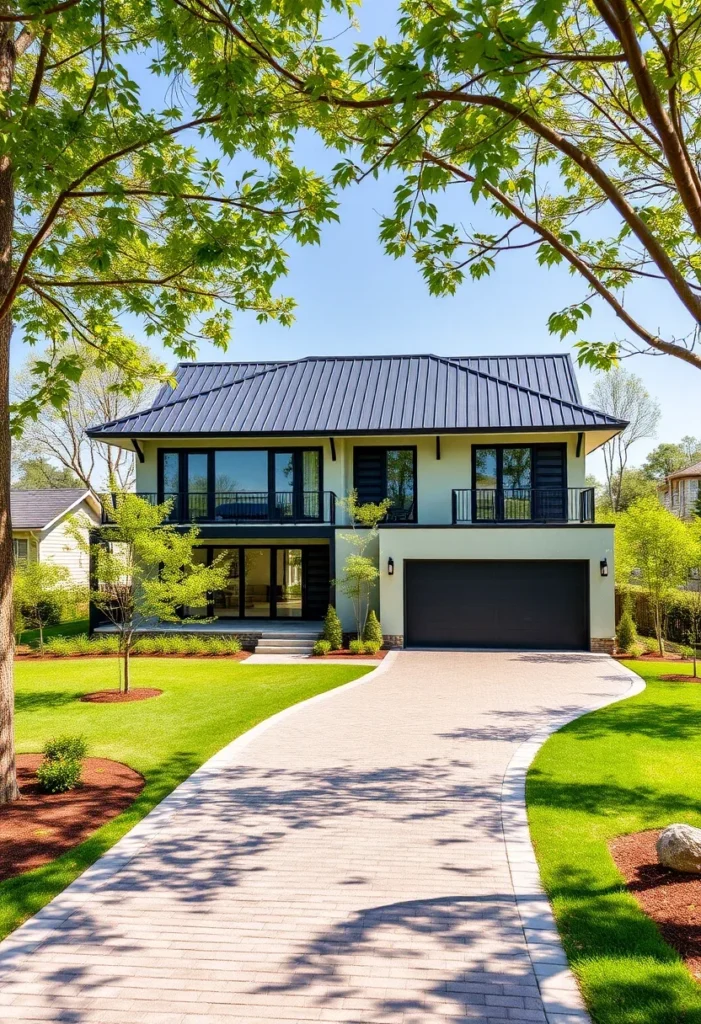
287, 641
284, 635
302, 650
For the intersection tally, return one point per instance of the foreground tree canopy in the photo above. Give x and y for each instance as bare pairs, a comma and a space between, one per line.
132, 209
573, 124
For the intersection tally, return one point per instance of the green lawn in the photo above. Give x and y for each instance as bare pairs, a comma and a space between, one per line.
632, 766
72, 628
205, 704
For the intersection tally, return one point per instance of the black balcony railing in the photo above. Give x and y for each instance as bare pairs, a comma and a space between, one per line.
244, 506
524, 505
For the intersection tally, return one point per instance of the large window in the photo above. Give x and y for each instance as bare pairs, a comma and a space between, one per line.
380, 473
519, 482
242, 484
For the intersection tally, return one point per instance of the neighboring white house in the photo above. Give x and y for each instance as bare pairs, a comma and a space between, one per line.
490, 539
680, 491
39, 527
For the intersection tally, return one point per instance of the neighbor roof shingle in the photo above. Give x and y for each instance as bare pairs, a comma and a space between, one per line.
366, 395
694, 470
33, 510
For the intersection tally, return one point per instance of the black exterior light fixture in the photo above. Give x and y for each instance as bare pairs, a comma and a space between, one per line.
604, 567
390, 567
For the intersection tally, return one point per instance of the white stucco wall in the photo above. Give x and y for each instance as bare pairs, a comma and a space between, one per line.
436, 478
571, 542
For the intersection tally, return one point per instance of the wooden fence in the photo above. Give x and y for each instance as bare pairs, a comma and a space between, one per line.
677, 621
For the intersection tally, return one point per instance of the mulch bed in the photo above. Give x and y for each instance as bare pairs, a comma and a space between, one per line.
671, 898
680, 679
39, 827
241, 656
117, 697
344, 653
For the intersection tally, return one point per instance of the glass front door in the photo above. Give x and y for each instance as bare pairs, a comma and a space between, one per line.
257, 583
226, 604
262, 583
288, 583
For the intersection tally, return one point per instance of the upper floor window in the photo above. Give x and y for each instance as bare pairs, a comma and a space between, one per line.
20, 550
242, 483
519, 482
380, 473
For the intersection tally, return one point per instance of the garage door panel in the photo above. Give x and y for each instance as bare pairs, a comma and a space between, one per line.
512, 604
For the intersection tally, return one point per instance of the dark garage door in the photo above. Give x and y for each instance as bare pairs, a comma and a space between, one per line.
520, 605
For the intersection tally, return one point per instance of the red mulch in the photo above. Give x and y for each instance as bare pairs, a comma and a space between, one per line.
40, 826
680, 679
117, 697
345, 653
241, 656
671, 898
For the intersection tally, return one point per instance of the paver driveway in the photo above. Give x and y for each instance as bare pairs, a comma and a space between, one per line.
346, 864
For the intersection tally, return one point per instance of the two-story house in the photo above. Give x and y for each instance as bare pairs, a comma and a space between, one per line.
681, 490
491, 538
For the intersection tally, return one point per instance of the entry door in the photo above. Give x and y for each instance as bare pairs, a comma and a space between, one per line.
497, 604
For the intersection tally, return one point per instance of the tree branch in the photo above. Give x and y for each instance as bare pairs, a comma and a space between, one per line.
574, 260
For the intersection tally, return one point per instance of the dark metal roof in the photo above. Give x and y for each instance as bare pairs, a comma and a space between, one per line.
35, 509
366, 395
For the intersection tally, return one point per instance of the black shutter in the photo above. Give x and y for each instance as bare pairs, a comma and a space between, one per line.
317, 585
369, 468
550, 481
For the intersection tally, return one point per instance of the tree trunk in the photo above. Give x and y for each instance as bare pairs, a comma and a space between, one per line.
8, 773
126, 668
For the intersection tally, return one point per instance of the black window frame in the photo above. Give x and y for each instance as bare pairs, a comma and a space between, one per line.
298, 494
384, 448
500, 448
272, 550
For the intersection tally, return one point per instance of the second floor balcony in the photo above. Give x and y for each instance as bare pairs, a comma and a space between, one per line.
522, 505
237, 507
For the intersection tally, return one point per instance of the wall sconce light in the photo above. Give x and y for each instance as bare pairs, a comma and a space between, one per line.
390, 567
604, 567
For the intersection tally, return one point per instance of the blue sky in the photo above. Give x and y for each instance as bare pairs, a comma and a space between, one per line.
352, 298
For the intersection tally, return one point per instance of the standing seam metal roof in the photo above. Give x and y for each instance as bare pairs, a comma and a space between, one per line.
366, 394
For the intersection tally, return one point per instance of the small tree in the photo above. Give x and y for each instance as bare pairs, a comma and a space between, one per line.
144, 570
360, 572
333, 631
658, 545
373, 630
43, 591
625, 633
694, 603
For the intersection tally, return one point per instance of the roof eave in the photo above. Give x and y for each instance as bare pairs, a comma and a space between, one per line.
569, 428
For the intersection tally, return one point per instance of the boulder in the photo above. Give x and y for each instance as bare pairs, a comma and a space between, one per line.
679, 847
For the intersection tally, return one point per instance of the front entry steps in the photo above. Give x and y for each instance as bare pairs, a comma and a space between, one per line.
299, 643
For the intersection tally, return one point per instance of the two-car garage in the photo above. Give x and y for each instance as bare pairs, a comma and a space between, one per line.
519, 604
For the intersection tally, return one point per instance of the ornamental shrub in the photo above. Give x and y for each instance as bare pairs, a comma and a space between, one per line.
373, 630
63, 763
59, 776
625, 634
321, 647
356, 647
371, 647
61, 748
333, 631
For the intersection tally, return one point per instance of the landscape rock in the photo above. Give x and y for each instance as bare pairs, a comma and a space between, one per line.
679, 847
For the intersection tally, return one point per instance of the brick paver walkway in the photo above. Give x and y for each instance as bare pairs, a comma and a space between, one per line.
347, 864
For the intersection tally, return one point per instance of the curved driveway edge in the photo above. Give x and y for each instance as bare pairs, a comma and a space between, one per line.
31, 934
559, 991
349, 859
